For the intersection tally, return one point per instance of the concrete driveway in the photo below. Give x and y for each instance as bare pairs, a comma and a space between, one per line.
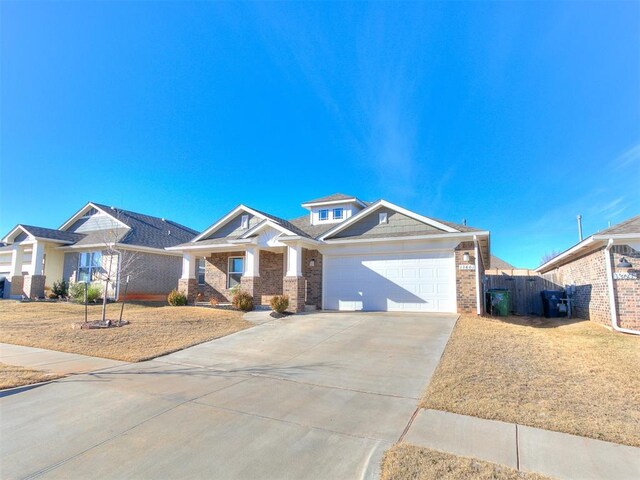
310, 396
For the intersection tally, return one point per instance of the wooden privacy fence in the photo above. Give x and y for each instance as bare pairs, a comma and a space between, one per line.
524, 289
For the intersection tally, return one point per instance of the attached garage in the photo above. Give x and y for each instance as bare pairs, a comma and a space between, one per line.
411, 282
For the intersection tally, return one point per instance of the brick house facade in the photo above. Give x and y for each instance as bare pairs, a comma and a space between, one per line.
585, 266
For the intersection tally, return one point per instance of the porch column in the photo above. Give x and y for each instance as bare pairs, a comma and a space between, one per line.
17, 280
188, 284
34, 282
294, 283
250, 280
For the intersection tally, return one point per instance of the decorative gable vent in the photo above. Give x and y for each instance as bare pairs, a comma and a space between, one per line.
382, 218
245, 222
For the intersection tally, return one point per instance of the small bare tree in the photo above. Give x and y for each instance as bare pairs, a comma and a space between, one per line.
549, 256
117, 263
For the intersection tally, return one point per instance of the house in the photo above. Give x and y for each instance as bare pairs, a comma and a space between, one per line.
95, 240
605, 269
343, 254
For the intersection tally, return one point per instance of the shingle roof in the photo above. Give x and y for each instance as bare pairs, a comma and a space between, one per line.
52, 234
500, 264
631, 225
331, 198
148, 231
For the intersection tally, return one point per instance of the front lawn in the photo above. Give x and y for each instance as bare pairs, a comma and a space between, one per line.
13, 376
578, 378
153, 331
406, 461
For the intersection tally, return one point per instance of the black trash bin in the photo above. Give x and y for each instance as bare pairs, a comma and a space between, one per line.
551, 299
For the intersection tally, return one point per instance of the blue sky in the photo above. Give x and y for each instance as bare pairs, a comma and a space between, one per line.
516, 116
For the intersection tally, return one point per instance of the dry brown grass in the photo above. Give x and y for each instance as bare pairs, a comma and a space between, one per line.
12, 376
405, 461
577, 378
153, 331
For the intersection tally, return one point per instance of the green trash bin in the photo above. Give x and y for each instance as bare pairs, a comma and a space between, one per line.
498, 301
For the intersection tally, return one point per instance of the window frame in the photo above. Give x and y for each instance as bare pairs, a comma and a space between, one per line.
200, 270
341, 210
229, 272
244, 222
383, 218
326, 213
89, 269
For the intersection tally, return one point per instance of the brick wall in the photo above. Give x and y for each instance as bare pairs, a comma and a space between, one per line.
271, 273
591, 300
313, 277
215, 277
152, 275
465, 279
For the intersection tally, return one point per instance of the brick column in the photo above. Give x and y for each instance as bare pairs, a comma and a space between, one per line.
189, 286
294, 287
33, 286
251, 285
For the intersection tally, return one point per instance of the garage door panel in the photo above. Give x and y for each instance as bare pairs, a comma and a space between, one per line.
412, 282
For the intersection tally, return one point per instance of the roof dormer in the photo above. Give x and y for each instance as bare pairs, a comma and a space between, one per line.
333, 208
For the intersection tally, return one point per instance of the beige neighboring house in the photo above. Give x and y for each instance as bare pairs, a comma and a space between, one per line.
96, 239
605, 269
342, 254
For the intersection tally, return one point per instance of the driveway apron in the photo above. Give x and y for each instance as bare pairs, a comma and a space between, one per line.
317, 396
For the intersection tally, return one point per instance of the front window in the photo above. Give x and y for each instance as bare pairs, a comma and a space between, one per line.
323, 215
236, 269
338, 213
89, 266
200, 271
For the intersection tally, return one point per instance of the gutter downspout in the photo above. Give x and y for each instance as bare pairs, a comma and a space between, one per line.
612, 303
478, 288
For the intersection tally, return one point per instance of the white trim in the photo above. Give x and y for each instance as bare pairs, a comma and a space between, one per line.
479, 293
104, 246
226, 219
266, 223
434, 236
229, 272
84, 209
17, 227
334, 202
383, 203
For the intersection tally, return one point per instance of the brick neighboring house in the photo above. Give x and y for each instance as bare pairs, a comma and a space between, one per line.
607, 288
95, 239
344, 254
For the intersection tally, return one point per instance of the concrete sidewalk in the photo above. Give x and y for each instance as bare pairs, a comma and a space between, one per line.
61, 363
529, 449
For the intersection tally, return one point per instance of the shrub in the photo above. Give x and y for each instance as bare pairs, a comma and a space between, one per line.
242, 301
177, 299
280, 303
60, 290
76, 292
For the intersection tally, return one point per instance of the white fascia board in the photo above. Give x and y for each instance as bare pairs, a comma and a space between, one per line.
12, 233
53, 240
225, 219
118, 246
591, 241
242, 241
334, 202
299, 239
435, 236
83, 210
215, 246
267, 223
383, 203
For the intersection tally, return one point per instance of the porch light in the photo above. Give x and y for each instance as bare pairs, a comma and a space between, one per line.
624, 263
466, 257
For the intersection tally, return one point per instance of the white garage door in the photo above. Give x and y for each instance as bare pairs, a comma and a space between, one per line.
420, 282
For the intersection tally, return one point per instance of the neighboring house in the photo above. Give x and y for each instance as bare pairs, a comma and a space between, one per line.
605, 269
95, 240
499, 264
344, 254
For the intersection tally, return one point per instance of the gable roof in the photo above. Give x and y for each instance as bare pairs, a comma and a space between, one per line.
500, 264
149, 231
628, 230
331, 198
48, 233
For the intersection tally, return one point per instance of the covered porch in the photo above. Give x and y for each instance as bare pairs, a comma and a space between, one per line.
262, 267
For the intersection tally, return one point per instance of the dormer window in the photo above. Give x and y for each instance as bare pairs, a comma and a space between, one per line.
323, 215
382, 218
245, 222
338, 213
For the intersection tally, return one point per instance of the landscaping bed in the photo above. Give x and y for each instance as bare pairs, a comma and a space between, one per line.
153, 330
13, 376
405, 461
574, 377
